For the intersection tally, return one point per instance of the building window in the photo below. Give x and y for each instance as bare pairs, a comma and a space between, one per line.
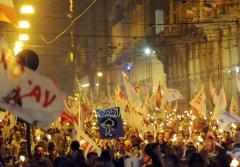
159, 20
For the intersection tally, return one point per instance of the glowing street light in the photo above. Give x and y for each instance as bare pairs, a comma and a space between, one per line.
237, 69
27, 9
18, 47
17, 50
24, 24
99, 74
71, 57
23, 37
147, 51
85, 85
19, 44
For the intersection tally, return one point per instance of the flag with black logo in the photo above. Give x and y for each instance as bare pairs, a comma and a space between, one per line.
110, 123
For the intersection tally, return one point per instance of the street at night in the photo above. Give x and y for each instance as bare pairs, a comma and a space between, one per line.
119, 83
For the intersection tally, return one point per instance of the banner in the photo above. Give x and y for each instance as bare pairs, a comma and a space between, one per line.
7, 11
221, 105
161, 96
118, 95
225, 121
199, 102
226, 118
234, 107
67, 117
87, 143
133, 95
213, 92
110, 123
29, 95
173, 95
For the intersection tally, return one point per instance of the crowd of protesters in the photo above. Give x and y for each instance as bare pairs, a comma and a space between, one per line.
56, 148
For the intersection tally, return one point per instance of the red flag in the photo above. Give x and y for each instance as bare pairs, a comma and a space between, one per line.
67, 117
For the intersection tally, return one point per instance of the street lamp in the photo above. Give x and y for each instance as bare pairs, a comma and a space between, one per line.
27, 9
99, 74
237, 69
24, 24
23, 37
71, 57
147, 51
19, 44
85, 85
17, 49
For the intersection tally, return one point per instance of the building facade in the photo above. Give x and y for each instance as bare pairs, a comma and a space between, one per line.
201, 43
195, 41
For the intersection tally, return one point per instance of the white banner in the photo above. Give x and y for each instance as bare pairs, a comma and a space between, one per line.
220, 105
213, 92
224, 121
133, 96
234, 106
27, 94
199, 102
87, 143
173, 95
226, 118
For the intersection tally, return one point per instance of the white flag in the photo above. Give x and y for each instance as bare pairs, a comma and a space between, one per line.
133, 96
213, 92
87, 143
226, 118
199, 102
173, 95
225, 121
238, 81
221, 105
29, 95
234, 106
